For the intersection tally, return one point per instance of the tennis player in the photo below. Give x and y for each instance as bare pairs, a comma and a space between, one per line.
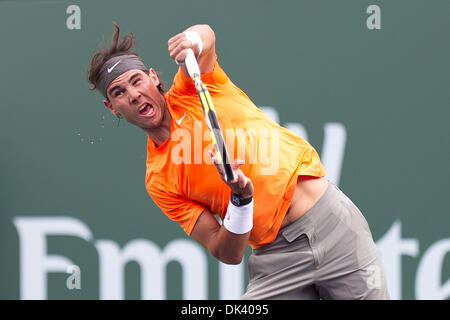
309, 241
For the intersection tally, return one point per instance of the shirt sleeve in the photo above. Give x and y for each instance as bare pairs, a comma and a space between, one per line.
214, 81
177, 208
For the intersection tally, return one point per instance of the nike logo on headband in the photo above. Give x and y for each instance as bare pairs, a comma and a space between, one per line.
111, 69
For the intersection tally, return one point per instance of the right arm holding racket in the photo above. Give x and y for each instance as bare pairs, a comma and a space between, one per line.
194, 49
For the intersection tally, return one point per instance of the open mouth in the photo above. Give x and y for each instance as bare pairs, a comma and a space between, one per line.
146, 109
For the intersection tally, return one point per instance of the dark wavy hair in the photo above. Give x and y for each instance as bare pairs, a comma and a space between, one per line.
116, 48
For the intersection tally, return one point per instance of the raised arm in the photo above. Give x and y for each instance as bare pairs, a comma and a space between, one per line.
178, 45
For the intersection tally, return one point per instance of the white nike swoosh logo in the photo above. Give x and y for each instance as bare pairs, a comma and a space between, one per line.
181, 119
111, 69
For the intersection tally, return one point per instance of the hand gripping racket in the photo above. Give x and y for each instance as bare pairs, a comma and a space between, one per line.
221, 152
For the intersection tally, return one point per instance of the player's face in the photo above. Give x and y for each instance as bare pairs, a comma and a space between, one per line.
135, 96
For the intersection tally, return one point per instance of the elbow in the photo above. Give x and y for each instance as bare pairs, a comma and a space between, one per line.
231, 260
227, 258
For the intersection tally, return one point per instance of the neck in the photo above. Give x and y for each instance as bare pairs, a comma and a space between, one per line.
161, 134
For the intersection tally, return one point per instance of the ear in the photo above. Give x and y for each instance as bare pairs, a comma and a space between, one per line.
109, 106
152, 74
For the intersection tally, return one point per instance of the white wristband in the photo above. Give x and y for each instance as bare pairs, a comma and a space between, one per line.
239, 220
195, 38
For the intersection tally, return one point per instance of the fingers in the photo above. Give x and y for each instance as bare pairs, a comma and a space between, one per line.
178, 50
236, 164
217, 165
241, 184
241, 179
176, 37
178, 45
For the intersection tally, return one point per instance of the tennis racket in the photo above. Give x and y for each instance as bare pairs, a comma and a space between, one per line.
221, 152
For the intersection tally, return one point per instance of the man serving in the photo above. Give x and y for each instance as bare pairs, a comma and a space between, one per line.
309, 240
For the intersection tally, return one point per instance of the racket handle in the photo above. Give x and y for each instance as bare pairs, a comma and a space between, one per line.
191, 64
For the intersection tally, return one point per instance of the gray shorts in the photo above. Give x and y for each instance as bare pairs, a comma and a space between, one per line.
328, 253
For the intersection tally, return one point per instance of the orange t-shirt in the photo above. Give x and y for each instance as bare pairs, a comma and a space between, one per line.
183, 182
